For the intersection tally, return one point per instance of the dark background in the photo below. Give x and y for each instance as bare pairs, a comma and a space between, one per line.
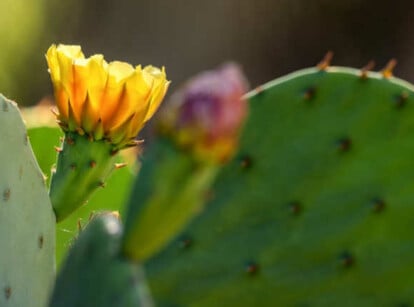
268, 38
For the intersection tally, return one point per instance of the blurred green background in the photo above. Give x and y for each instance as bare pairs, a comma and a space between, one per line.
268, 38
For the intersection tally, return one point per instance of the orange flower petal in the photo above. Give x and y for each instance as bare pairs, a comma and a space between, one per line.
53, 64
112, 100
159, 89
96, 67
114, 91
62, 99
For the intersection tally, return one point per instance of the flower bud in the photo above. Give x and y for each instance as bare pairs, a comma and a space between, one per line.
206, 115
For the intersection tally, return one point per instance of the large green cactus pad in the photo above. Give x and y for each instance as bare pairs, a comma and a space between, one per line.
316, 210
27, 222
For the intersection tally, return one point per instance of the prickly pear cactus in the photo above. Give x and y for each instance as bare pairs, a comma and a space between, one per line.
316, 210
95, 274
27, 222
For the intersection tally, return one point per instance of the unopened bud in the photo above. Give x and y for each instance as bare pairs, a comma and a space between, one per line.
206, 115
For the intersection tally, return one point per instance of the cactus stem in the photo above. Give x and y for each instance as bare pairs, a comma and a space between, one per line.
92, 163
326, 61
101, 184
388, 69
364, 70
120, 165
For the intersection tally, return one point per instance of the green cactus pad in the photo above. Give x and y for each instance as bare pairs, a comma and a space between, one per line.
316, 210
94, 274
170, 190
27, 221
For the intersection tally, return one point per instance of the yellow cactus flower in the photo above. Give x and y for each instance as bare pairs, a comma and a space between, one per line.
109, 101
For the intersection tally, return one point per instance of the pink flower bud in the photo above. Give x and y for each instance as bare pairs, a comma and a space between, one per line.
207, 113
